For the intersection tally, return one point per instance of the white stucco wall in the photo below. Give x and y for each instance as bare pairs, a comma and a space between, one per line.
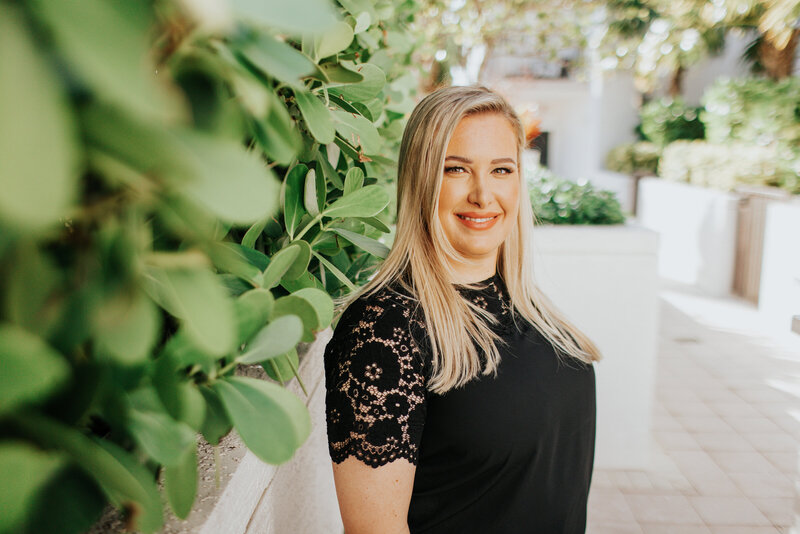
604, 279
697, 228
779, 293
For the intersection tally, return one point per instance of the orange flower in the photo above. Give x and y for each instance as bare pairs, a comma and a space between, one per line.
531, 125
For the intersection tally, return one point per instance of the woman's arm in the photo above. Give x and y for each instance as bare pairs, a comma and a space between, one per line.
375, 411
374, 500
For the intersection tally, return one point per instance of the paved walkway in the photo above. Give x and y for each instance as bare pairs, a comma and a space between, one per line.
726, 427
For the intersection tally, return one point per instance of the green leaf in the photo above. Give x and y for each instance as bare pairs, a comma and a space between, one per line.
306, 280
232, 183
293, 188
337, 73
356, 7
179, 396
126, 327
327, 243
126, 482
31, 369
271, 421
69, 503
363, 22
180, 483
280, 367
328, 170
292, 305
322, 303
196, 297
376, 223
36, 190
300, 263
253, 308
279, 264
335, 271
278, 337
310, 194
358, 131
334, 40
321, 185
249, 239
318, 118
163, 438
25, 471
185, 351
376, 248
230, 258
365, 90
216, 424
277, 133
123, 73
217, 174
256, 258
31, 282
278, 59
366, 202
297, 17
354, 180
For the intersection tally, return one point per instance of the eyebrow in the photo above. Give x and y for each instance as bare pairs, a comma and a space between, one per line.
494, 161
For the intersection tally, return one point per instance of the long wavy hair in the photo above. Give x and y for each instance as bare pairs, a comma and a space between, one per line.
460, 331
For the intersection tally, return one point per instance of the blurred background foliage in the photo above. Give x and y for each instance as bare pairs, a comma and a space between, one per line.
746, 132
185, 185
556, 200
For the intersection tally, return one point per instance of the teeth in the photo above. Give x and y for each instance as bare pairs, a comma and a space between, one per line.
473, 219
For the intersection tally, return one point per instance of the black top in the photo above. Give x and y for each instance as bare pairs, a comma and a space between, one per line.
511, 454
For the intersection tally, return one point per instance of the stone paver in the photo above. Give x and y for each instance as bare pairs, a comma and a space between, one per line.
726, 427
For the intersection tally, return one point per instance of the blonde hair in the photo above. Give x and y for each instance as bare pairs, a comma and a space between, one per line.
458, 330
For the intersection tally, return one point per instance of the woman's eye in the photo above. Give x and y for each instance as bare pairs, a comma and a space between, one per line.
453, 169
505, 170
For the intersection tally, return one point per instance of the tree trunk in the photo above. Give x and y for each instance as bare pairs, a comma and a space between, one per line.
490, 43
676, 83
778, 63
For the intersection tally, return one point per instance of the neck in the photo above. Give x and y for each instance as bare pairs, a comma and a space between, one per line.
468, 273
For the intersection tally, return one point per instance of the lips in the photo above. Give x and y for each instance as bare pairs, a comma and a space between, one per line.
478, 221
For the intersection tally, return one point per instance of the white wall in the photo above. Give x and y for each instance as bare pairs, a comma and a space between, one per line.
779, 294
584, 119
604, 279
697, 228
701, 75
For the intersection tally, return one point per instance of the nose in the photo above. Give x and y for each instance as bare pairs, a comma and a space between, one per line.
480, 194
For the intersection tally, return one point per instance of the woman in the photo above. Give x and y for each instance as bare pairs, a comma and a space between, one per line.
458, 398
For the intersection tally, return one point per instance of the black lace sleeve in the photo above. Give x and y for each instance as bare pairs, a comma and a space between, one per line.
375, 384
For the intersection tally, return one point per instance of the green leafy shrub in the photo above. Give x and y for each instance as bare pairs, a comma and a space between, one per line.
559, 201
634, 158
758, 111
179, 196
666, 120
727, 166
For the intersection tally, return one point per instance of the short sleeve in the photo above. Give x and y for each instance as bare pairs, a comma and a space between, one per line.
375, 384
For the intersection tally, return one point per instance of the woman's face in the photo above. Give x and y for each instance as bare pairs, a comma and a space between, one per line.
479, 199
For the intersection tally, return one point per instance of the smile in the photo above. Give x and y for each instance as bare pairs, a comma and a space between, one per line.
476, 222
475, 219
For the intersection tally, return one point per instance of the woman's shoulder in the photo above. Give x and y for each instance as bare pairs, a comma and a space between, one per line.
388, 307
382, 324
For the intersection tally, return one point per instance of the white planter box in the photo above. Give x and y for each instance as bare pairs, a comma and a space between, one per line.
697, 228
779, 293
604, 279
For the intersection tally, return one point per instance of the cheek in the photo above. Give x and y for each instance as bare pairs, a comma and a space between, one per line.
448, 196
510, 199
